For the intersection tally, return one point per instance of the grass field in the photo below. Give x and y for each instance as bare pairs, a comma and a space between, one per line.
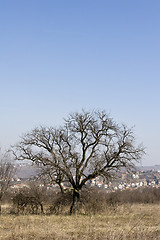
125, 222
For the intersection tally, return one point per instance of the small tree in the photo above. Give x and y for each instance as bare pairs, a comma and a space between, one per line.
7, 171
88, 145
52, 175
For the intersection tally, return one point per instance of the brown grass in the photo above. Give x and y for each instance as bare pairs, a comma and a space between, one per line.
125, 222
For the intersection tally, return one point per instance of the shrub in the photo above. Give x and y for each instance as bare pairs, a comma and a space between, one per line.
92, 201
28, 201
140, 195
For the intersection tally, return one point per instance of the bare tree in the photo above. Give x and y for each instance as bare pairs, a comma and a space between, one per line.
7, 171
88, 145
52, 175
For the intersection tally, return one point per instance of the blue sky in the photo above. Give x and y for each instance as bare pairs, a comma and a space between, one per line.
57, 57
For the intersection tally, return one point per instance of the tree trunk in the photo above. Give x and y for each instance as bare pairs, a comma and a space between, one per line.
41, 206
0, 204
61, 188
76, 198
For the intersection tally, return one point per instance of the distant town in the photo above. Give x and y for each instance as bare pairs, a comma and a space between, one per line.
142, 177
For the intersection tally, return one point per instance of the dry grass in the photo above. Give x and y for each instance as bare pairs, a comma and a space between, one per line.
126, 222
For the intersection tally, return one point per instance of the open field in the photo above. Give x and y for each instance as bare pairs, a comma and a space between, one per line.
135, 221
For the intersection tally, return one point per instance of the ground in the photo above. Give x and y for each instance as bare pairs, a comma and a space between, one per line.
138, 221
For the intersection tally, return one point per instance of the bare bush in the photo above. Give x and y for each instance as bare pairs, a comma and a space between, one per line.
60, 203
92, 201
96, 201
29, 201
140, 195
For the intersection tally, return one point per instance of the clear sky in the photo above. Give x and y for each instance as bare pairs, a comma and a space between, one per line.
59, 56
